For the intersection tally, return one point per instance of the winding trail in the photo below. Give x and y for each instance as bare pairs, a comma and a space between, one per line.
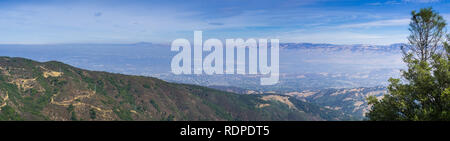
73, 102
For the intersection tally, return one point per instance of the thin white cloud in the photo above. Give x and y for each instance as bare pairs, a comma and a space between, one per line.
380, 23
395, 2
421, 1
89, 23
392, 2
342, 37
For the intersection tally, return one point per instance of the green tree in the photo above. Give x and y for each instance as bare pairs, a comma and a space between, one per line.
92, 114
423, 92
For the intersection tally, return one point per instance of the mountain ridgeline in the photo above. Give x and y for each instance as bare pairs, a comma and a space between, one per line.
31, 90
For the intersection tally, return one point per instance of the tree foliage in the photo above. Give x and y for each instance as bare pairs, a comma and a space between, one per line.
427, 31
423, 92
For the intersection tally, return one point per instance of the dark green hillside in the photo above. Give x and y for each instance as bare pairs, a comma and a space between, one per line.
32, 90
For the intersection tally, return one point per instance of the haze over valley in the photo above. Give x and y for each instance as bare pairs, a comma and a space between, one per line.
304, 68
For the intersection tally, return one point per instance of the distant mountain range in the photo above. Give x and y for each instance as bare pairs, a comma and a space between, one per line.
31, 90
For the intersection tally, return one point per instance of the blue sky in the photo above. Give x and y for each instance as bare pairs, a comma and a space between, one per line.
129, 21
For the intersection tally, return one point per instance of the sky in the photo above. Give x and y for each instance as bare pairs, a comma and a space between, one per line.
131, 21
